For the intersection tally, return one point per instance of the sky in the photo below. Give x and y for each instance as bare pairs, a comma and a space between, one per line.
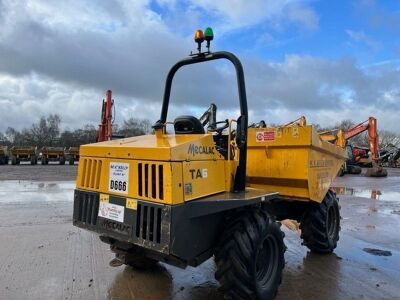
327, 60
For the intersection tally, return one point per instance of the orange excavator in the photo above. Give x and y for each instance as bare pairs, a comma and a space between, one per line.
105, 127
340, 138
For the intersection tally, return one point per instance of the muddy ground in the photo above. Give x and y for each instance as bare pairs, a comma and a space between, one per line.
42, 256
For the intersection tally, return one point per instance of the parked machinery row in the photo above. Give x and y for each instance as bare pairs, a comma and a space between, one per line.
31, 154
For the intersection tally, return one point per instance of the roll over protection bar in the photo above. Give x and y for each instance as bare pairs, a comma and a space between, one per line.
241, 138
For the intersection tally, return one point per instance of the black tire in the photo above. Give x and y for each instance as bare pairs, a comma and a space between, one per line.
62, 160
320, 225
13, 160
250, 257
18, 161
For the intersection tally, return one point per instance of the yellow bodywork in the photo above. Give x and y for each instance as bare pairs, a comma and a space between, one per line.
169, 169
172, 169
334, 136
293, 161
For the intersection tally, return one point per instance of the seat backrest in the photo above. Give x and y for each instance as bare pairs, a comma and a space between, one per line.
188, 125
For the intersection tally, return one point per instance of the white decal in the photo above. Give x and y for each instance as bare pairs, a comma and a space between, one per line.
111, 211
119, 178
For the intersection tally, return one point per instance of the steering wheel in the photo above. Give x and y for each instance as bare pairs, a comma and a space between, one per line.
220, 129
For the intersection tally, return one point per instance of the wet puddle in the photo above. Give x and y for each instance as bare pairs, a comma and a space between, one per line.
368, 193
26, 191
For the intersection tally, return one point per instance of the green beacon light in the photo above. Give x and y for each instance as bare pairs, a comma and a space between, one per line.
208, 36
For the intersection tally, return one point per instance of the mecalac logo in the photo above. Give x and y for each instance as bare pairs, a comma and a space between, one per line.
110, 225
194, 149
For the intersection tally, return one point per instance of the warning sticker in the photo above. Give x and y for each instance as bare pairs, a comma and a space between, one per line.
131, 203
111, 211
262, 136
119, 177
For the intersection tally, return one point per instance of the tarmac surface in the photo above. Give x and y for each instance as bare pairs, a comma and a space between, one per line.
42, 256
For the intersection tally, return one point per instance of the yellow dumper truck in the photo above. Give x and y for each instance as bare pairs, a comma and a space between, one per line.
49, 154
219, 191
72, 155
23, 153
3, 155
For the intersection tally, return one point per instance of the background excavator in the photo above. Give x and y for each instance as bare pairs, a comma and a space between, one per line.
355, 154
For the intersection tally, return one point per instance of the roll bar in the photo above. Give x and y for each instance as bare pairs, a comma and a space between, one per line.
241, 138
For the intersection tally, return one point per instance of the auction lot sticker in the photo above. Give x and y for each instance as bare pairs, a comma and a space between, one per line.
119, 177
111, 211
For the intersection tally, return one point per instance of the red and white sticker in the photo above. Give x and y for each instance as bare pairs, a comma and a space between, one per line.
111, 211
262, 136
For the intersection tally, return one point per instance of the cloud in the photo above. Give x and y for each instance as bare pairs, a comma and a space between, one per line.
362, 37
229, 15
60, 58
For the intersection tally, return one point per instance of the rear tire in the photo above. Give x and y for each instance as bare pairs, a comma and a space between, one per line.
250, 256
320, 225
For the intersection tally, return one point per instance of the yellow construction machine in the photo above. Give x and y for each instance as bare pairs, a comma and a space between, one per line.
49, 154
219, 191
3, 155
72, 154
27, 153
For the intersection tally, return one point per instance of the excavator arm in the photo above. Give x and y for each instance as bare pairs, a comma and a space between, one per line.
340, 138
105, 127
369, 125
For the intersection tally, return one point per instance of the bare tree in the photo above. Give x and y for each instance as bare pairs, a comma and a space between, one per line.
134, 127
45, 132
388, 139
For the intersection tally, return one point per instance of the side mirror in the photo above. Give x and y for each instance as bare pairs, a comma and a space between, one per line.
241, 133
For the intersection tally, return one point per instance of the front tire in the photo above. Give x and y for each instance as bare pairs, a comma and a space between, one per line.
250, 256
320, 225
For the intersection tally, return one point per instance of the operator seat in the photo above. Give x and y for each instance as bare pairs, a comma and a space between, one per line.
188, 125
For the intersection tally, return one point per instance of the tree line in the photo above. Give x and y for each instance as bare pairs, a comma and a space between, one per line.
46, 132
